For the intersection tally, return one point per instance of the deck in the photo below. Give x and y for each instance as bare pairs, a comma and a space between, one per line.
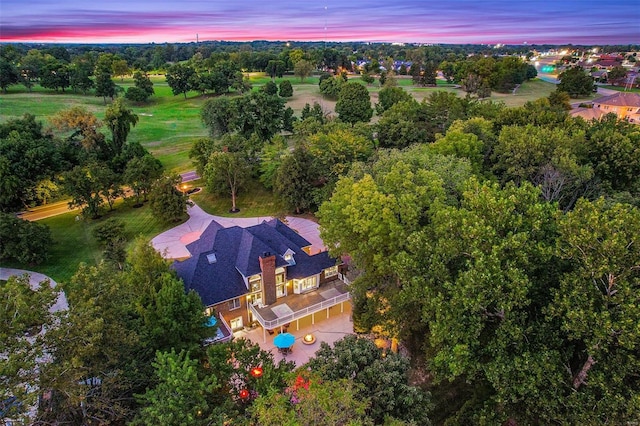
295, 306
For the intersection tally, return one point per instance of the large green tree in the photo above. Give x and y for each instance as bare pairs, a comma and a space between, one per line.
226, 173
83, 184
296, 178
404, 123
168, 203
105, 86
383, 376
389, 96
597, 307
24, 318
119, 119
143, 88
27, 156
275, 68
107, 341
179, 78
140, 174
8, 74
181, 395
286, 89
23, 241
217, 114
302, 69
354, 104
576, 82
55, 74
111, 236
335, 150
613, 150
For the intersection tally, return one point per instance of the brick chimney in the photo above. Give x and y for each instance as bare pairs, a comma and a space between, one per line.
268, 268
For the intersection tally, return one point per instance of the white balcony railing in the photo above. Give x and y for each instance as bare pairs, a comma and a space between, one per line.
298, 314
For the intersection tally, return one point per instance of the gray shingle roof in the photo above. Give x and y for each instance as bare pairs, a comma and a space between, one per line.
620, 99
237, 251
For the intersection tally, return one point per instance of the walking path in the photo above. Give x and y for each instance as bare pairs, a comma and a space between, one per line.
35, 278
172, 243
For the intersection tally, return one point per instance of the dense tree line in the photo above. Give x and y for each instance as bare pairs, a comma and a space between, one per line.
502, 288
129, 351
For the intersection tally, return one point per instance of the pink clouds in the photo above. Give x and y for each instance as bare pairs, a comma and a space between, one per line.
455, 21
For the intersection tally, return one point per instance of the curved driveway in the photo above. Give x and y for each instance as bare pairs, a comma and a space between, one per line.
172, 243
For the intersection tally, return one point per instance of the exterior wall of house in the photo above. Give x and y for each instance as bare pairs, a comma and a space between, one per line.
623, 112
326, 279
231, 315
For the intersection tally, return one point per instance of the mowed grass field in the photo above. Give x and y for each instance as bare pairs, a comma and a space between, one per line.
74, 242
168, 126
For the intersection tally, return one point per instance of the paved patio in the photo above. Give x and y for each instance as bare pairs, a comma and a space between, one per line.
327, 330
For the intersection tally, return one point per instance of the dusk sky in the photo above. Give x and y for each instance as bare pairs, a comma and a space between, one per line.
447, 21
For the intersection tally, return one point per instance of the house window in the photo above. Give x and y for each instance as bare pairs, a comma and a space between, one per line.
280, 283
331, 272
255, 283
236, 323
307, 284
289, 259
234, 304
255, 298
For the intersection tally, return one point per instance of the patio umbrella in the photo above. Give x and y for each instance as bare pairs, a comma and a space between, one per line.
211, 322
284, 340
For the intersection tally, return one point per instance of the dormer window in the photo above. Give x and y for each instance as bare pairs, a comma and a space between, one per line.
288, 257
211, 258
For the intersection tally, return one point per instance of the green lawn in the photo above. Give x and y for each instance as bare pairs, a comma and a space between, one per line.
167, 126
254, 201
74, 242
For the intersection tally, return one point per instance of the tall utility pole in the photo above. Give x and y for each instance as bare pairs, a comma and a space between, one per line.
325, 27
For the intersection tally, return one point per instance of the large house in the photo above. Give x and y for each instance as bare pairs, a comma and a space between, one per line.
625, 105
261, 275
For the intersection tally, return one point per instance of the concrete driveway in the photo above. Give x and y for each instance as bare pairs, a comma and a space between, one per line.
172, 243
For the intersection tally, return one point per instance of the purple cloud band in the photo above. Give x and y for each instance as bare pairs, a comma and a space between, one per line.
454, 21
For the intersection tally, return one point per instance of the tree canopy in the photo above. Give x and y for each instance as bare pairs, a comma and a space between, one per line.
354, 103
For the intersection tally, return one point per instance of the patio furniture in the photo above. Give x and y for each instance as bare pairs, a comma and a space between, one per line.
284, 340
285, 351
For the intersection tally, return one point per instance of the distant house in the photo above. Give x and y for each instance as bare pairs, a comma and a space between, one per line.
608, 62
625, 105
261, 275
600, 75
